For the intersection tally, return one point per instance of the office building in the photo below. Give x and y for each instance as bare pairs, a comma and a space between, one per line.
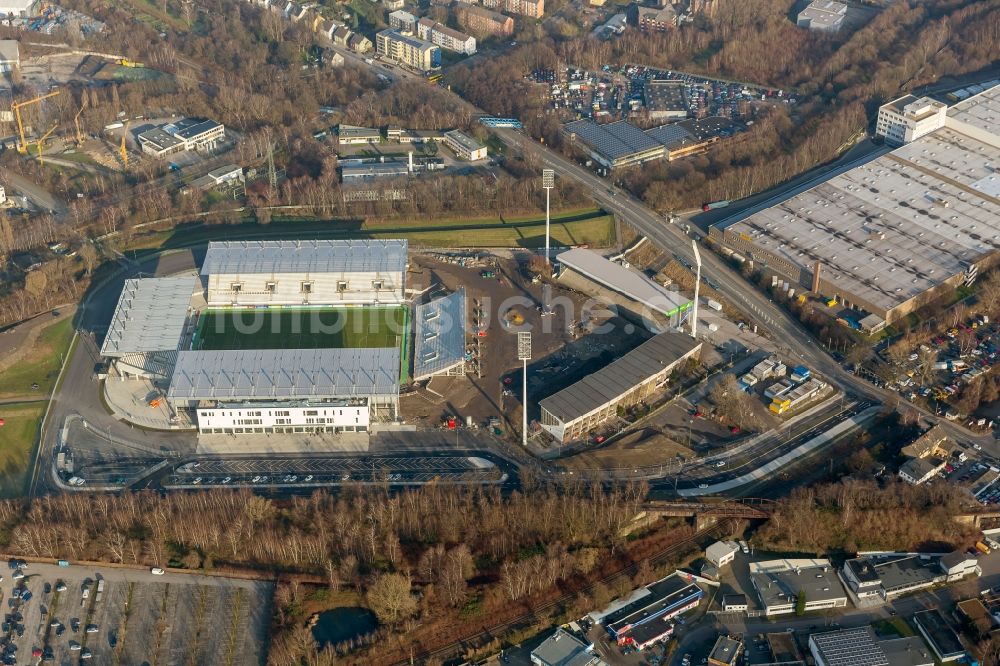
779, 582
182, 136
908, 118
465, 146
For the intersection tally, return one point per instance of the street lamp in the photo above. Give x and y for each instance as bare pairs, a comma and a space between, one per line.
524, 355
548, 182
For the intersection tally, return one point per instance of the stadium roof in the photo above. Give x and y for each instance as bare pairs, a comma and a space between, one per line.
623, 280
270, 374
440, 342
849, 647
623, 374
150, 316
311, 256
613, 140
890, 229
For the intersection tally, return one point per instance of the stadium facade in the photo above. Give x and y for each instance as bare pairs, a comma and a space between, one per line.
259, 380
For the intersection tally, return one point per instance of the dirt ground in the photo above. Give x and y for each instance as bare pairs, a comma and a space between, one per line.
645, 447
562, 350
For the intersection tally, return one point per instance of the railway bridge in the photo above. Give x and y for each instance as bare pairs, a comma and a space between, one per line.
707, 512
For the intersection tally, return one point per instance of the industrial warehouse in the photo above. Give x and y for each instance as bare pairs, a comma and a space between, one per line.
282, 337
891, 235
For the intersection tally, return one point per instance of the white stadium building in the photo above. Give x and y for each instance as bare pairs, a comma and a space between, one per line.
167, 334
318, 272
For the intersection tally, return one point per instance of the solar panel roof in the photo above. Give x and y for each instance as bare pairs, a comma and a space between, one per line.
615, 140
261, 374
307, 256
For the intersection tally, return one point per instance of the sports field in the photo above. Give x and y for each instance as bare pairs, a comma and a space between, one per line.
321, 328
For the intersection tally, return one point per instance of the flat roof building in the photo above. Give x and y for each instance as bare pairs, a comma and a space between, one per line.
315, 272
823, 15
665, 99
909, 651
725, 652
564, 649
939, 635
722, 553
908, 118
894, 234
734, 603
362, 172
465, 146
661, 601
187, 134
572, 412
779, 582
352, 134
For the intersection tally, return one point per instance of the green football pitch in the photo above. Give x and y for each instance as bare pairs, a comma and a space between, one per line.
326, 328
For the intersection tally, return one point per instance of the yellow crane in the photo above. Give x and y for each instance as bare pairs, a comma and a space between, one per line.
41, 143
76, 122
16, 107
122, 150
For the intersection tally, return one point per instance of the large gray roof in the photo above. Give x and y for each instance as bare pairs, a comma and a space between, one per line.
620, 376
150, 316
307, 256
614, 140
440, 342
268, 374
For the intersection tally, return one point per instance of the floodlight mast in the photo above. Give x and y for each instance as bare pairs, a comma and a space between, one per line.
697, 285
524, 355
548, 182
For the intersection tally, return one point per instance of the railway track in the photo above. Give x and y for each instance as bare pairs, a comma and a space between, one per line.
498, 630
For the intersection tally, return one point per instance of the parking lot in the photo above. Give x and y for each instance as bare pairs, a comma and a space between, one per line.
324, 471
76, 615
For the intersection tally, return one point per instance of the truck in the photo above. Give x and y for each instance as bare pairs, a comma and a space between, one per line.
982, 548
713, 205
715, 305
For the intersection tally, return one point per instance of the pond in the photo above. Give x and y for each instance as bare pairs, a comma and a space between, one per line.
342, 624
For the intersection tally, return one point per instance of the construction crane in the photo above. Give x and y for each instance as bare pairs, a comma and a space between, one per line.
76, 122
41, 143
16, 107
122, 150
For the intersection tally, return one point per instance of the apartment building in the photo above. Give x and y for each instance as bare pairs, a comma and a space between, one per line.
485, 21
445, 37
406, 50
530, 8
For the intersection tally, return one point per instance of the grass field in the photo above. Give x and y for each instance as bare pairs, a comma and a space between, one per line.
326, 328
17, 440
577, 227
40, 365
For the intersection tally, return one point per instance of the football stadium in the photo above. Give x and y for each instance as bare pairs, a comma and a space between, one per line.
284, 337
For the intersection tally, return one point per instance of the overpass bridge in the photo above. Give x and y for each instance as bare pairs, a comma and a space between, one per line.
706, 512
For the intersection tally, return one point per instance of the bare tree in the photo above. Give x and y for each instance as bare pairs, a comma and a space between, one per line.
390, 598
